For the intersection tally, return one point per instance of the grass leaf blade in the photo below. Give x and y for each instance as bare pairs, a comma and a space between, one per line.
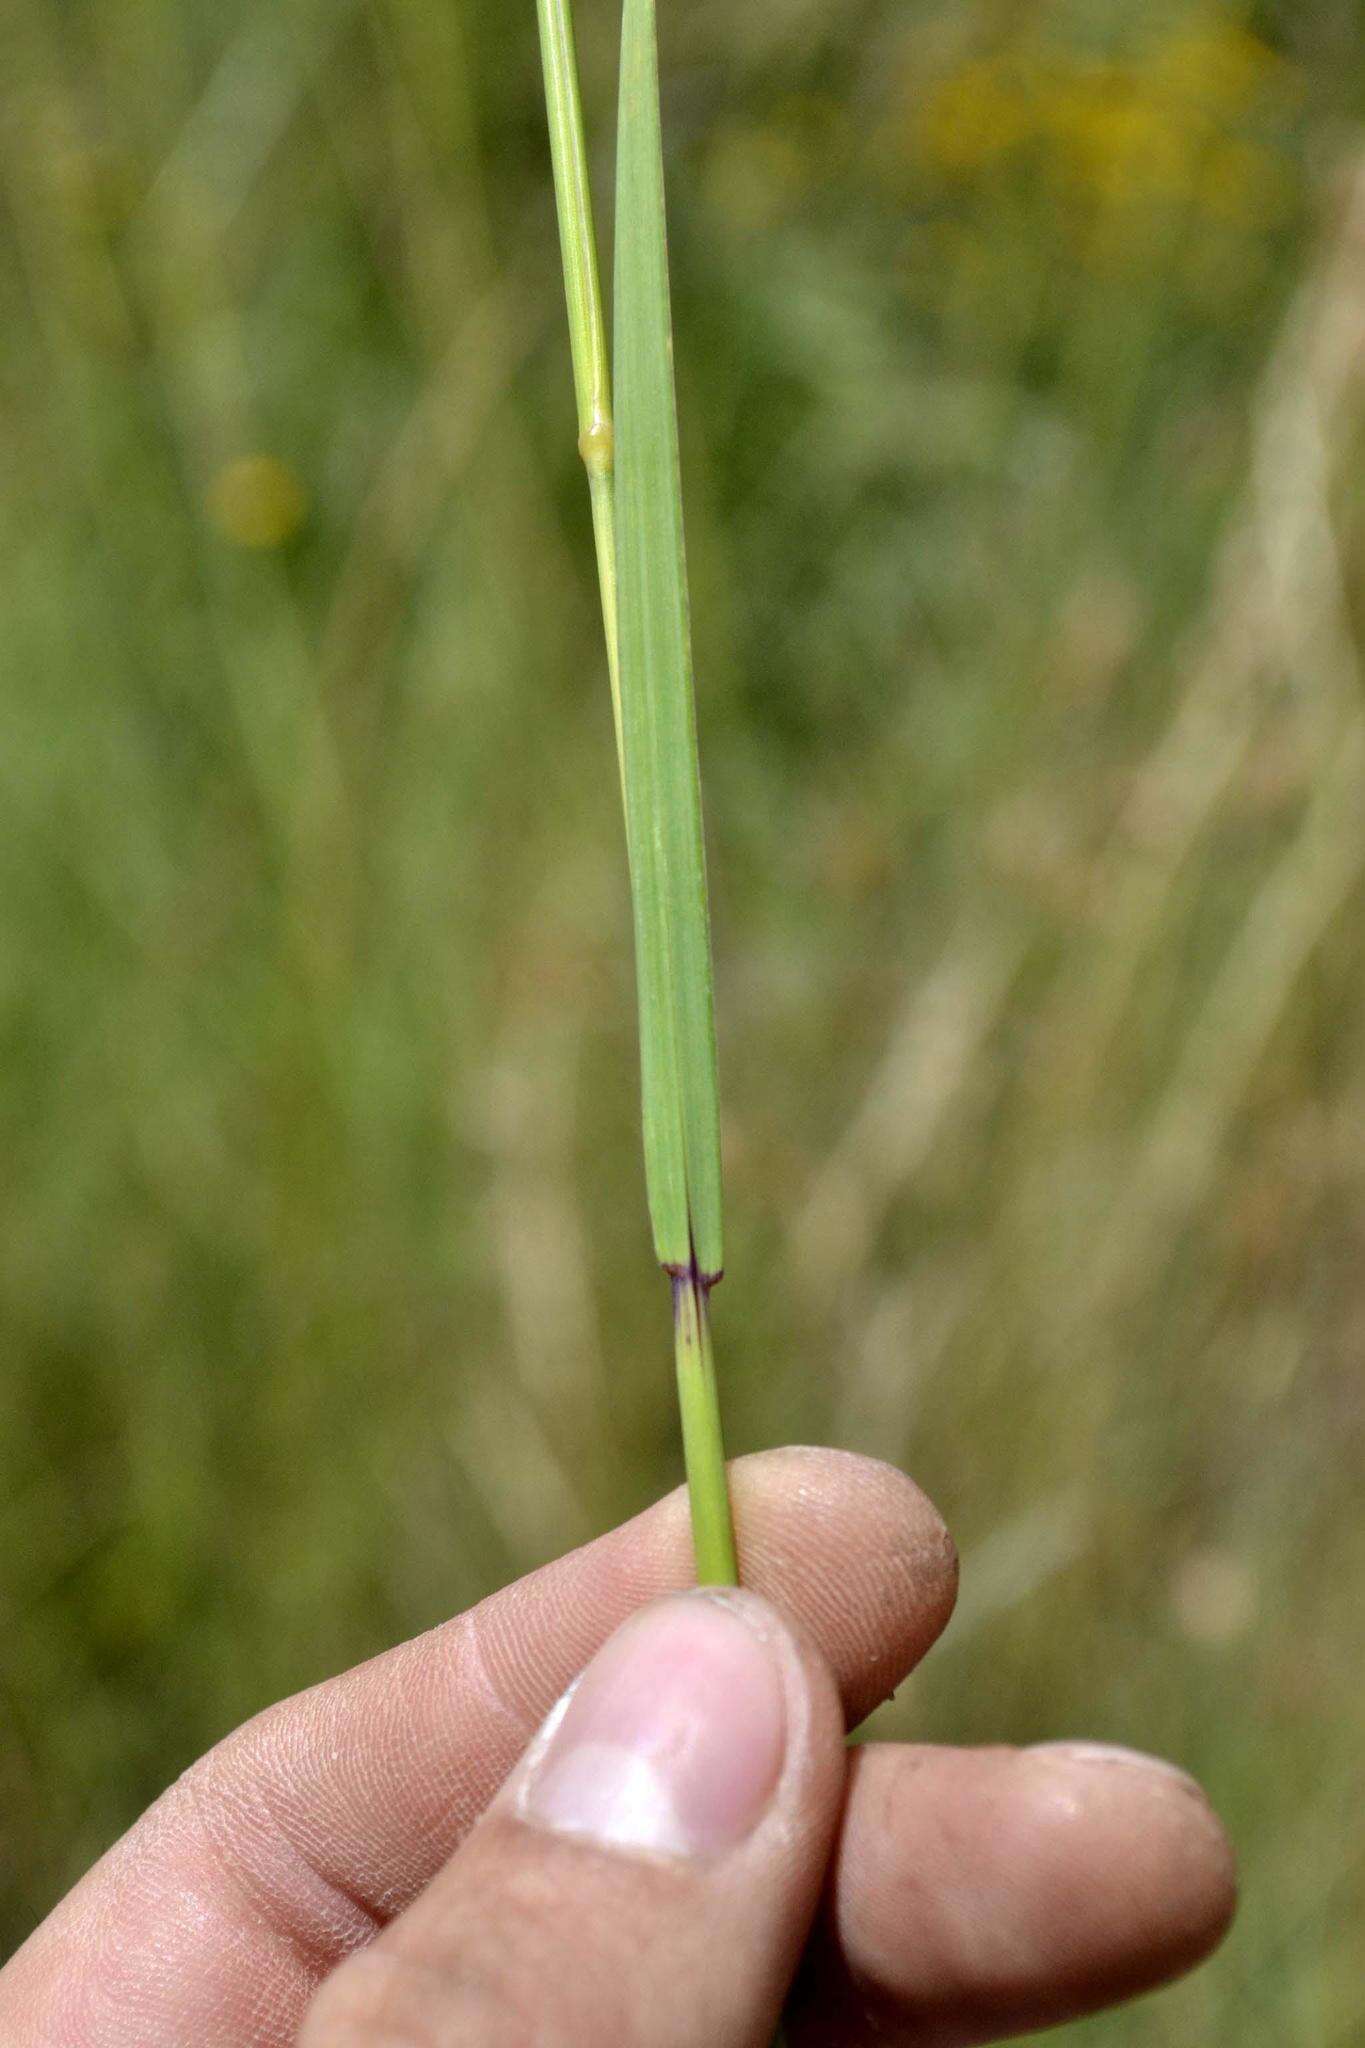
663, 790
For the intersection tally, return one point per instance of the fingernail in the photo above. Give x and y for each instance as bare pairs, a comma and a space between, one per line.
1113, 1753
672, 1741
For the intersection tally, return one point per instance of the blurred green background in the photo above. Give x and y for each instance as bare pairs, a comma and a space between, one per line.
1022, 364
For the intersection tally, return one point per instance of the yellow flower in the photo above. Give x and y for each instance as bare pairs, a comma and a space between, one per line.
257, 501
1123, 147
1124, 134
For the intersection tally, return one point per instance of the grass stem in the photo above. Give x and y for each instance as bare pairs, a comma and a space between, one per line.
713, 1536
587, 323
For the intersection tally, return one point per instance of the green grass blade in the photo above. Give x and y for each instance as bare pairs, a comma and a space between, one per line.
663, 790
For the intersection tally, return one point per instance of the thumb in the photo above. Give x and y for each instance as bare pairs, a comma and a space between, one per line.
648, 1874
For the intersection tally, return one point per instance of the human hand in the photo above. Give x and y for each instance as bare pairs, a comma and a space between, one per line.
356, 1869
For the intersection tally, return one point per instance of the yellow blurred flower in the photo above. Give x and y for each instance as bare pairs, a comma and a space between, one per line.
257, 501
1122, 147
1185, 121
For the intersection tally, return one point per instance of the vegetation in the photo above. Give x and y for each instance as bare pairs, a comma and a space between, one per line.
1022, 403
636, 494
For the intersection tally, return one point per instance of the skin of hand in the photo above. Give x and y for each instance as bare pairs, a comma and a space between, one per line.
428, 1850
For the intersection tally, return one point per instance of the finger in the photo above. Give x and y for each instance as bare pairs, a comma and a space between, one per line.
978, 1894
301, 1835
649, 1876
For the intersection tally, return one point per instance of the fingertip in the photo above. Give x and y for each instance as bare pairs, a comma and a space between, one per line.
980, 1893
674, 1740
832, 1484
1140, 1836
859, 1550
650, 1871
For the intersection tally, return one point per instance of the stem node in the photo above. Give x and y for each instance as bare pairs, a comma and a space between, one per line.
597, 445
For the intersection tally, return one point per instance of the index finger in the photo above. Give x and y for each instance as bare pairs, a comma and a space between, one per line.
290, 1843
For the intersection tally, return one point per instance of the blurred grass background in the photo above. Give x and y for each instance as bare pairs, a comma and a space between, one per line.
1022, 359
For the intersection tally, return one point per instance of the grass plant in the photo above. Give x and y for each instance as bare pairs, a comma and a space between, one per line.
636, 489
